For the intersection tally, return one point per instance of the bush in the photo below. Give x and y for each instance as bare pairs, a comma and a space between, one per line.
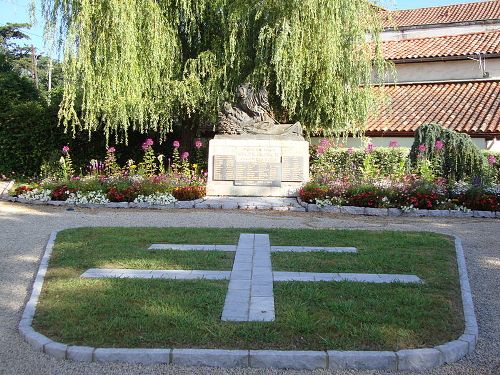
189, 193
478, 199
123, 194
378, 162
453, 155
312, 191
367, 196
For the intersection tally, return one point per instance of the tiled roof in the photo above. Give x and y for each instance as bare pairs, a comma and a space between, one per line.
486, 10
444, 46
471, 107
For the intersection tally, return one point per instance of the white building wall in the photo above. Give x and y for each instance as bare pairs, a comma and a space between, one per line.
444, 71
492, 145
429, 31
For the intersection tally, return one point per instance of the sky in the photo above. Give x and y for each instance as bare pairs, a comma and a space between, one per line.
16, 11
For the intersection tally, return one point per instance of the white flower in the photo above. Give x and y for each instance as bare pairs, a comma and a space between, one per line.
161, 199
92, 197
323, 202
42, 195
409, 208
460, 187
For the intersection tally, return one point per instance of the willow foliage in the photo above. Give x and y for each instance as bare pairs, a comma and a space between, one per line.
148, 64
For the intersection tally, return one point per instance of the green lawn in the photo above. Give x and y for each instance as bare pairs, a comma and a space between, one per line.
309, 316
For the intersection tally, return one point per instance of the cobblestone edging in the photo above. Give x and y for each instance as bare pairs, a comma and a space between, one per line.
394, 212
413, 359
275, 204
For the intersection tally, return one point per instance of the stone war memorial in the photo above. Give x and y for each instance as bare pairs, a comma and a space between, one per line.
253, 154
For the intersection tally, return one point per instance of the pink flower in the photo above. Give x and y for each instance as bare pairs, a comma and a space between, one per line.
393, 143
111, 150
198, 144
324, 143
147, 144
176, 144
350, 151
320, 150
65, 149
422, 148
439, 145
491, 159
184, 155
370, 147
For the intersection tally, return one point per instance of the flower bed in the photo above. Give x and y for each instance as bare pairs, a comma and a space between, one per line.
407, 195
385, 178
147, 182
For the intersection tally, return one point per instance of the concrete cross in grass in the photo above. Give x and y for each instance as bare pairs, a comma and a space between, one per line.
250, 294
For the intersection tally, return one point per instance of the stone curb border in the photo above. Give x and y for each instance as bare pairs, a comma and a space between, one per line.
205, 203
395, 212
412, 359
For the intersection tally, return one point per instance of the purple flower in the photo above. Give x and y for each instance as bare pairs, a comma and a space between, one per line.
184, 155
393, 143
111, 150
65, 149
147, 144
324, 143
439, 145
491, 159
320, 150
422, 148
370, 147
350, 151
176, 144
198, 144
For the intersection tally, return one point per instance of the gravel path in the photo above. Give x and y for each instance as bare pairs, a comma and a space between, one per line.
24, 231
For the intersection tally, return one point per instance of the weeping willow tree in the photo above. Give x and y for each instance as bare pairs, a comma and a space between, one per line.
150, 64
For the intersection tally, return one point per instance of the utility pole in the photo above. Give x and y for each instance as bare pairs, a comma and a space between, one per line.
34, 68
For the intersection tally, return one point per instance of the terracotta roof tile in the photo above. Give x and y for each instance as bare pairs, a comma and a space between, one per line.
485, 10
444, 46
471, 107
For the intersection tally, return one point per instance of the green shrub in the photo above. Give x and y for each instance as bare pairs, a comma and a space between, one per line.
453, 155
342, 162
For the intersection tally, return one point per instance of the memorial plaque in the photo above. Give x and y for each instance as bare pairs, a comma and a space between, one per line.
224, 168
257, 166
292, 168
258, 174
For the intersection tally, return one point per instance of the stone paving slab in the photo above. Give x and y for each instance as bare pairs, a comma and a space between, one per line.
250, 292
186, 247
101, 273
237, 302
281, 359
308, 249
353, 277
142, 356
363, 360
210, 357
80, 353
232, 248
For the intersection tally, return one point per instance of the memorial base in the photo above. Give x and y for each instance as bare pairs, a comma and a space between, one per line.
257, 166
